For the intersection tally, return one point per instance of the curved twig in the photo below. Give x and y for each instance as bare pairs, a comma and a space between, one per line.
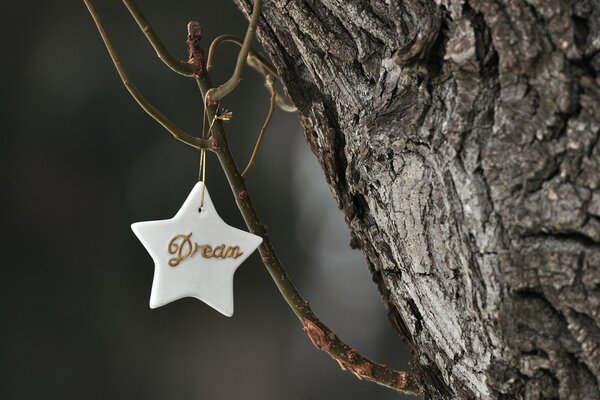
255, 60
212, 50
279, 100
146, 106
216, 94
270, 81
177, 65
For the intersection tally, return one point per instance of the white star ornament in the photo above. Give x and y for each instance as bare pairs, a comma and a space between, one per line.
195, 254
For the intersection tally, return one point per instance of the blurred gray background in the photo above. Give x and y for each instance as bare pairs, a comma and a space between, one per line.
81, 162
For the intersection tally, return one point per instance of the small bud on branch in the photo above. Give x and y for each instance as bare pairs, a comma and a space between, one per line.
195, 51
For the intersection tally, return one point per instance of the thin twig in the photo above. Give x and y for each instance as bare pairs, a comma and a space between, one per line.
279, 100
270, 81
255, 60
177, 65
146, 106
212, 50
216, 94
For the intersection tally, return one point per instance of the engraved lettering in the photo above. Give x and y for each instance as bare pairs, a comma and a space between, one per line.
207, 252
181, 248
219, 251
197, 248
233, 252
177, 246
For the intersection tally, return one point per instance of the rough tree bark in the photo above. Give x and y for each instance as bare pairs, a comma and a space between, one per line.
460, 138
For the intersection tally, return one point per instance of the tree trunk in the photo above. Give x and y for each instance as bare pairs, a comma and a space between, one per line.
460, 138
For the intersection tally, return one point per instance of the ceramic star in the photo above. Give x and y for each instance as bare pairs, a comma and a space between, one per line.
195, 254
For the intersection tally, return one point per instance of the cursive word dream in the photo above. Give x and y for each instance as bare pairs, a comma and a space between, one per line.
181, 247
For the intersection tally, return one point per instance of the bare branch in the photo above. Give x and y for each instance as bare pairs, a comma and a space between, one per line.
177, 65
259, 66
149, 108
270, 82
255, 60
251, 53
214, 95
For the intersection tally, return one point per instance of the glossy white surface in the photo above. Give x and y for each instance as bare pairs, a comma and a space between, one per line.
204, 253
